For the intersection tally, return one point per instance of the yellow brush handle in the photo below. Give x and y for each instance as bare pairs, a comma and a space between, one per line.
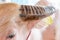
48, 20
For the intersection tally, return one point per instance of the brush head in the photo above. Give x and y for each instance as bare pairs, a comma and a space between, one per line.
35, 12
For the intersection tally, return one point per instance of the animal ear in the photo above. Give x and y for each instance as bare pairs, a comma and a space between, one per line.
35, 12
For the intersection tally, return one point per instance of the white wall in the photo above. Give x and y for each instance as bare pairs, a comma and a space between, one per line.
25, 2
5, 1
55, 3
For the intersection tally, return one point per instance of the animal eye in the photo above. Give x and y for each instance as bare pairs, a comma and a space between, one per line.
12, 35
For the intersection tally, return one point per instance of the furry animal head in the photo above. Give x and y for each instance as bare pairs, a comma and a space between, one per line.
12, 16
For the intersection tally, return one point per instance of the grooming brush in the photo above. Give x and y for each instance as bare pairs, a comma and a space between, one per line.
35, 12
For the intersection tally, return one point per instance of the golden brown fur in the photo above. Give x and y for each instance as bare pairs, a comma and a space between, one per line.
7, 11
11, 23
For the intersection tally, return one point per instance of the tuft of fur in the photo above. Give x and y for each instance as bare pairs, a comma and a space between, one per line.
8, 11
